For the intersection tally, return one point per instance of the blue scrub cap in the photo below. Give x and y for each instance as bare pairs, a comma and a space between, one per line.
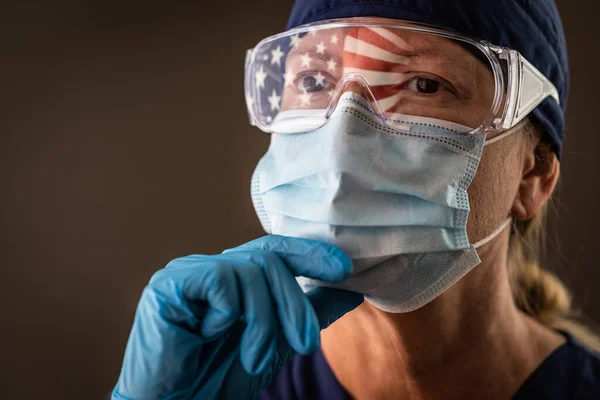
532, 27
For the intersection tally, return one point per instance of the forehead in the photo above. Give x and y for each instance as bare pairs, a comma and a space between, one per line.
401, 40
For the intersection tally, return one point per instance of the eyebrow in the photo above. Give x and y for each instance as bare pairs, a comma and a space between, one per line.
435, 52
326, 56
467, 68
366, 49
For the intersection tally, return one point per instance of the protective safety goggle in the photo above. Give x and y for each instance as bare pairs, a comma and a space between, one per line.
406, 71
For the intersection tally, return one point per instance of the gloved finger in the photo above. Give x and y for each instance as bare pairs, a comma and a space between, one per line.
202, 280
259, 341
294, 312
304, 257
331, 304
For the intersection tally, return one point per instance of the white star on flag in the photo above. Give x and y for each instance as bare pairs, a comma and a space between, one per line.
274, 100
294, 40
276, 56
306, 60
305, 98
289, 77
321, 48
320, 78
260, 78
331, 65
334, 39
330, 93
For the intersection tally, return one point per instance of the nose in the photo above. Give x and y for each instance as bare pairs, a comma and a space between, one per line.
353, 87
358, 84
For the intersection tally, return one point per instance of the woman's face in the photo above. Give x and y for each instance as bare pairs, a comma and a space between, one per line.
409, 72
435, 77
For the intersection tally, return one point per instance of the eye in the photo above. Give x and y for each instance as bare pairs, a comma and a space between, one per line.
312, 83
424, 85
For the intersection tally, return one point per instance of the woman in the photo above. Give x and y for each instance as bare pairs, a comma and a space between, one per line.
410, 166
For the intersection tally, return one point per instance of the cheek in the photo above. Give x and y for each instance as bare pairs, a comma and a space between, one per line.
494, 188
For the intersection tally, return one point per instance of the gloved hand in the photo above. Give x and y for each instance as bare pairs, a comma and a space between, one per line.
219, 327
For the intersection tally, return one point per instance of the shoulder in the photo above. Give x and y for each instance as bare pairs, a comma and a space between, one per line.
305, 377
585, 364
572, 371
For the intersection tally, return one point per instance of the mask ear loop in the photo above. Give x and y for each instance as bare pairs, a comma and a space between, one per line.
498, 230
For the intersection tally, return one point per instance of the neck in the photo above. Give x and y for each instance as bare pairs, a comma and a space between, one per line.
454, 338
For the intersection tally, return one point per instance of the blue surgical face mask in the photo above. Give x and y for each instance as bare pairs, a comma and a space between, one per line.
395, 200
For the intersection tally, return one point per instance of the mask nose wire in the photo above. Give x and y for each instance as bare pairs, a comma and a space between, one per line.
356, 83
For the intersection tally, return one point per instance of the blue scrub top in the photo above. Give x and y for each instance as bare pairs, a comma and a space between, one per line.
569, 372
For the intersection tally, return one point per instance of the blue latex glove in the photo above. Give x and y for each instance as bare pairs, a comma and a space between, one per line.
219, 327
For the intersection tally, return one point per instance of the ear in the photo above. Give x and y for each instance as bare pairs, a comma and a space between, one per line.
540, 172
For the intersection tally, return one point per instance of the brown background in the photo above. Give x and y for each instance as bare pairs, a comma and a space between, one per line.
124, 143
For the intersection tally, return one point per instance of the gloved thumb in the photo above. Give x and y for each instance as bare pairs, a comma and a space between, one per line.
331, 304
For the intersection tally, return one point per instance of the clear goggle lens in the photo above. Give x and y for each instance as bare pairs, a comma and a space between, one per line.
404, 74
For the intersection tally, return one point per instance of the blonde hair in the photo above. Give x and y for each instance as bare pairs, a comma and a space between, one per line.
539, 292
